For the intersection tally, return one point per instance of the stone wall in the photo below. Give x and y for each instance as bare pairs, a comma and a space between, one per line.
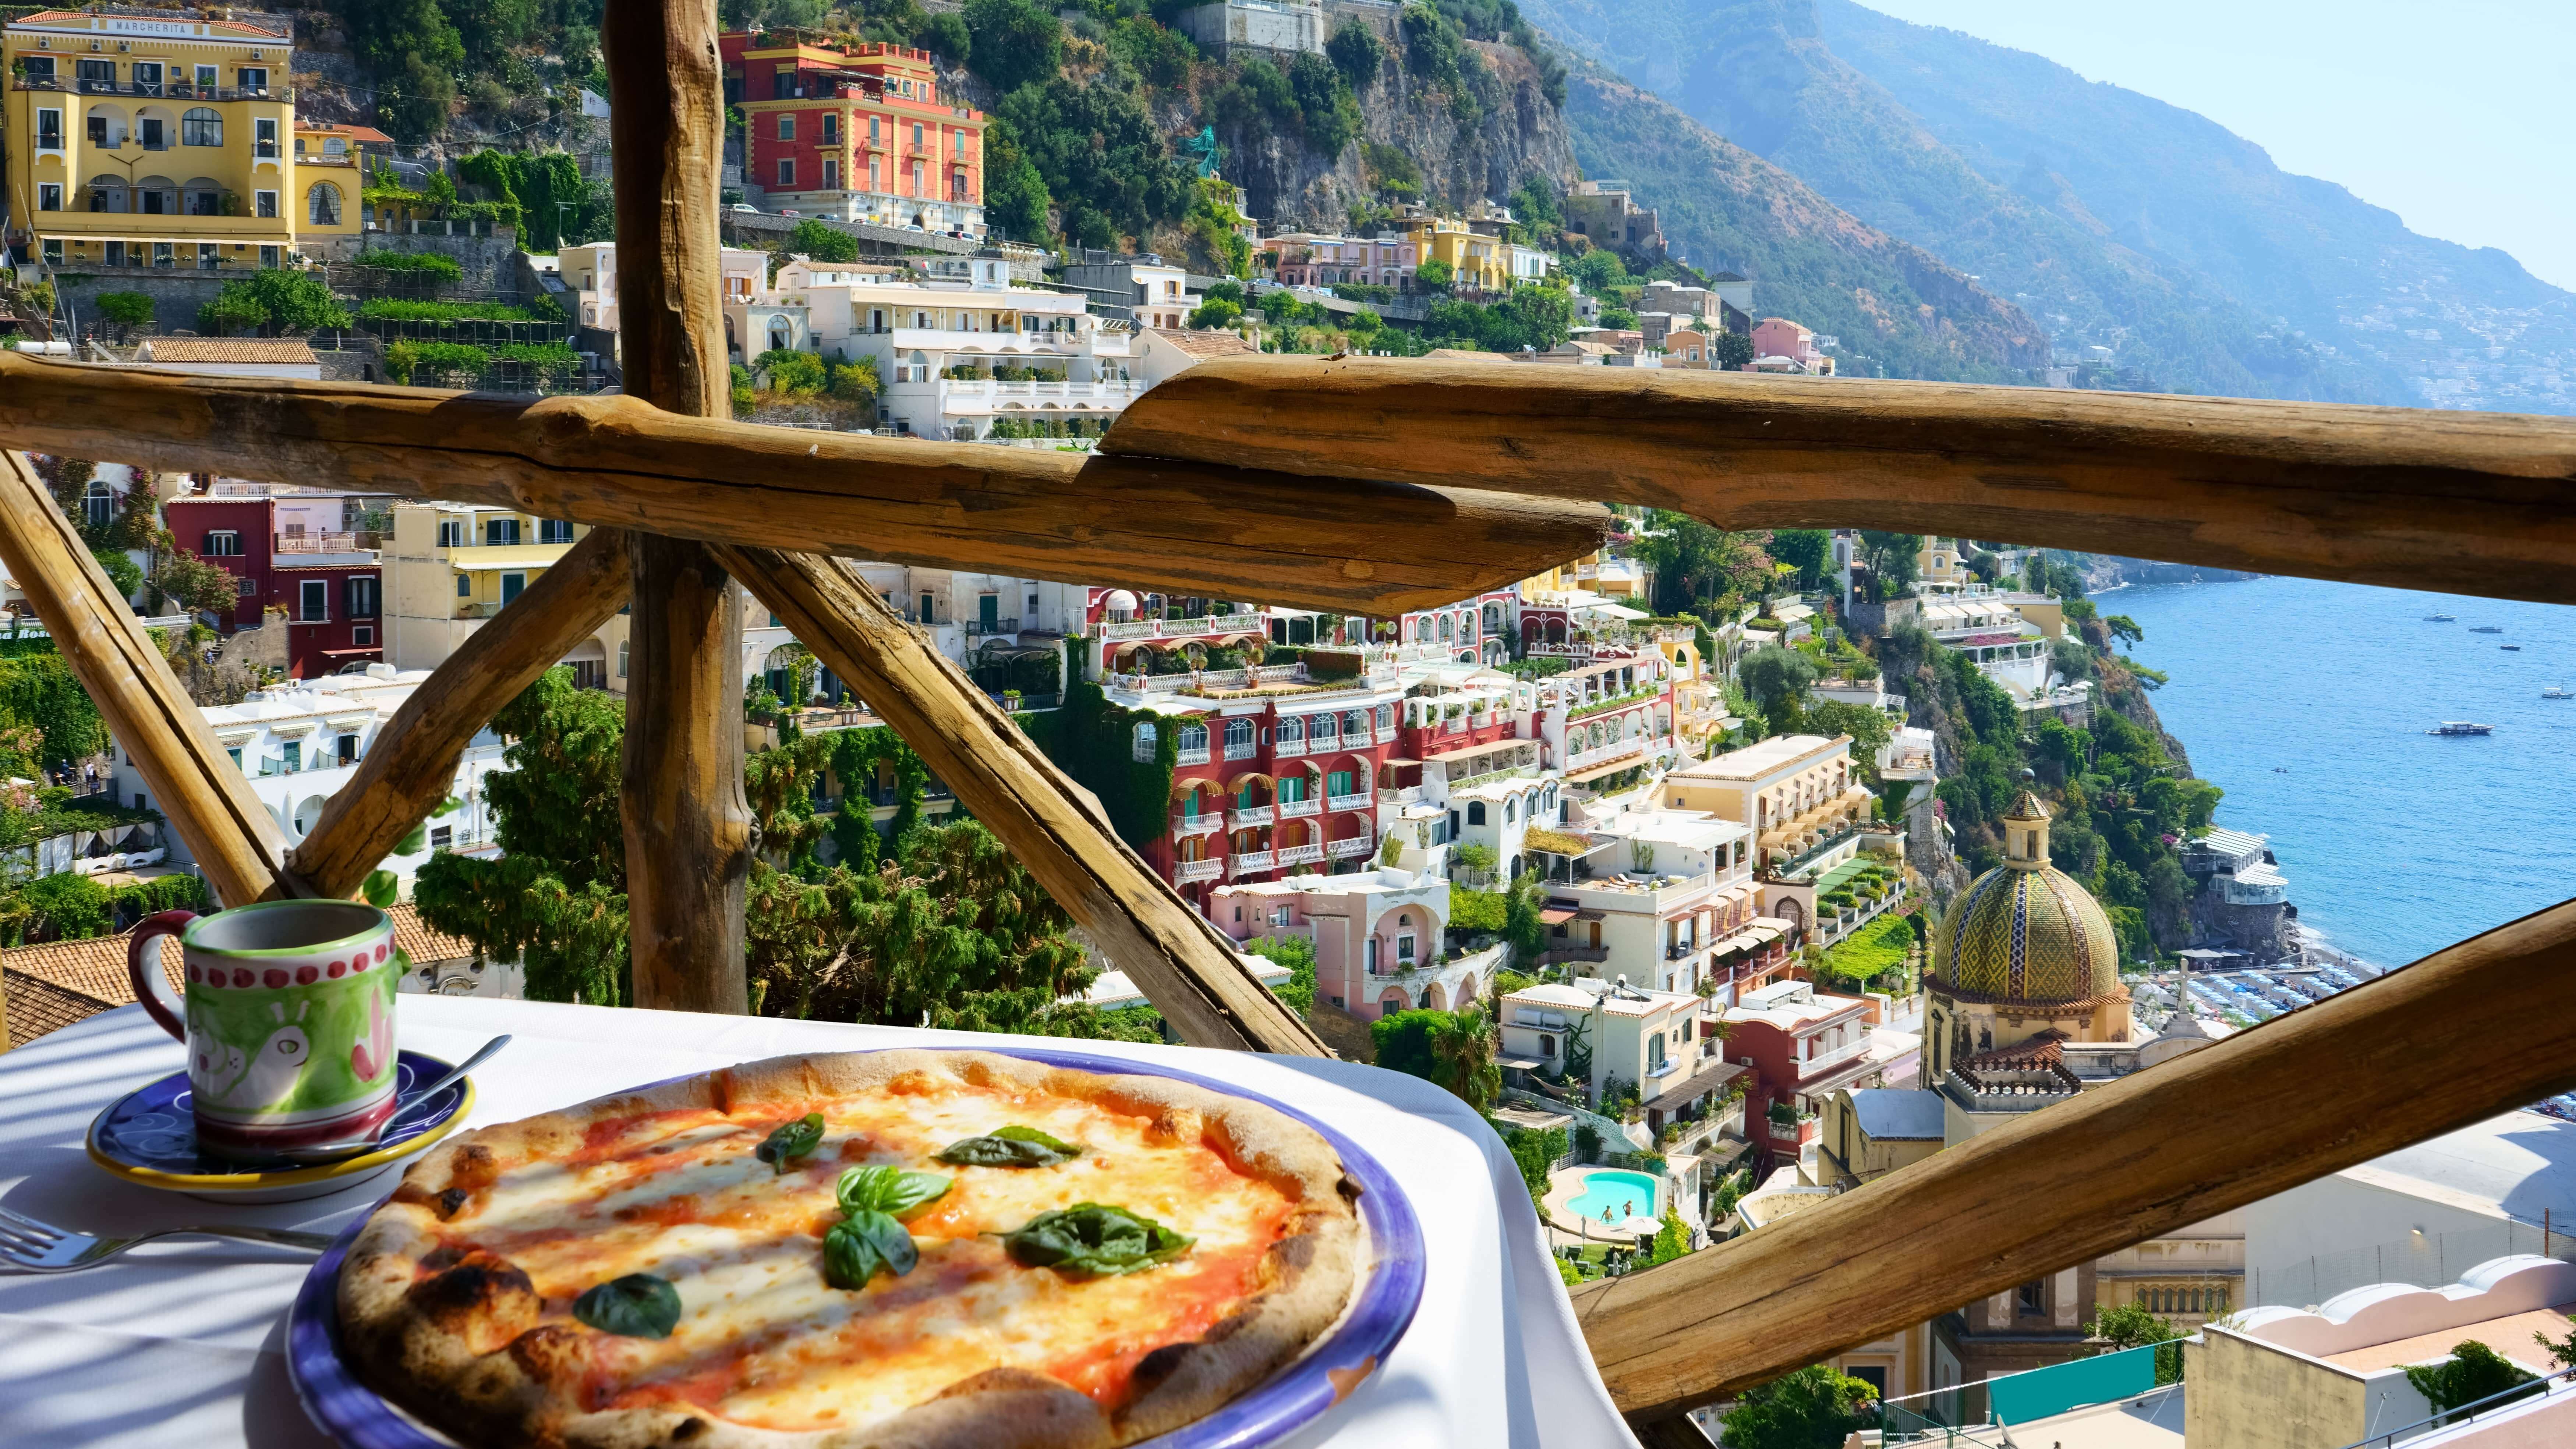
490, 263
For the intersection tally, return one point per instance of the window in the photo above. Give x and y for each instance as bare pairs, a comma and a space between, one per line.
873, 138
164, 254
2030, 1299
49, 130
1403, 949
1475, 812
49, 196
464, 586
235, 755
916, 178
831, 173
500, 532
513, 585
787, 126
322, 204
39, 67
1340, 783
223, 543
957, 188
787, 171
348, 749
364, 635
313, 601
99, 504
960, 138
1142, 750
294, 756
264, 137
451, 533
154, 137
249, 77
268, 257
264, 203
245, 588
1194, 741
362, 596
831, 128
622, 647
97, 128
916, 137
442, 838
554, 530
873, 183
210, 256
1238, 739
201, 126
926, 602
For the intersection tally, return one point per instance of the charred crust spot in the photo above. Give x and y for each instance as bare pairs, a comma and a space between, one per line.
1161, 1364
474, 1167
483, 1290
1002, 1380
1292, 1255
1350, 1189
552, 1353
690, 1431
1178, 1125
452, 1201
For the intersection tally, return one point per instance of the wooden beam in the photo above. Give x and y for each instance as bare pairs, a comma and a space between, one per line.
2359, 1074
1188, 969
2472, 502
688, 826
412, 765
615, 462
194, 784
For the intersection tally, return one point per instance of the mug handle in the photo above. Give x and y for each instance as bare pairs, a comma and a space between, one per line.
143, 968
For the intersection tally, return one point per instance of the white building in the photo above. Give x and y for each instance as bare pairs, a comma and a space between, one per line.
298, 745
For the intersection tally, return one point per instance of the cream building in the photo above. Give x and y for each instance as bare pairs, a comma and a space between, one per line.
1798, 794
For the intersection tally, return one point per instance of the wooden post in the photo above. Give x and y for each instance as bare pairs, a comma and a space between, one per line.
195, 785
615, 462
688, 827
2473, 502
413, 762
2315, 1091
1185, 966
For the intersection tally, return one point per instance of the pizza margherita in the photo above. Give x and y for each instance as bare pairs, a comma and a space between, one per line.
899, 1248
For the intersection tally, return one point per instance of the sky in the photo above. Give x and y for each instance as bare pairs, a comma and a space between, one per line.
2454, 114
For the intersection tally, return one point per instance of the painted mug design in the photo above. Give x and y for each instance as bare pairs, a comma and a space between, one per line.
288, 1019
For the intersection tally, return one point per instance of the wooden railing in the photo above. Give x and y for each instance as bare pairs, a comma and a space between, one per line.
1368, 486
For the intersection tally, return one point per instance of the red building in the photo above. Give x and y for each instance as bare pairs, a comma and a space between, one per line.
328, 591
859, 132
1803, 1045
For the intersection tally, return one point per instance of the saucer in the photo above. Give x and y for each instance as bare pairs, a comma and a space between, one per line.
149, 1137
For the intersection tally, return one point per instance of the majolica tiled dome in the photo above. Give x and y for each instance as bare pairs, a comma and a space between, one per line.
2025, 931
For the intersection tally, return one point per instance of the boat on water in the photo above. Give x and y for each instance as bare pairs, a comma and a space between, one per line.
2484, 629
2438, 619
2516, 648
2556, 691
2461, 727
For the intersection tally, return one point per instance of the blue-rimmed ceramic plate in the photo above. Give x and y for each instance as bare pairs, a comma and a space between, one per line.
1353, 1351
149, 1136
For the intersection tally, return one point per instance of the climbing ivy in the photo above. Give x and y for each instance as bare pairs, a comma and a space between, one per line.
855, 755
1094, 741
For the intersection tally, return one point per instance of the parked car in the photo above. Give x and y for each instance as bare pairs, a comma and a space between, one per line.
783, 211
744, 206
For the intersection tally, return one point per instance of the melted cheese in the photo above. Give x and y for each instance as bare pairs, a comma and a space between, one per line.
764, 1341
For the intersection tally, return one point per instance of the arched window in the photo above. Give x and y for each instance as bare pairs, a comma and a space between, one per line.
322, 204
201, 126
1193, 737
1448, 631
1511, 811
1475, 812
1238, 738
1144, 744
621, 658
99, 503
1323, 729
1355, 723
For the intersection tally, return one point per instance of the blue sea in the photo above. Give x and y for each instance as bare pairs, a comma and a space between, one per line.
2396, 843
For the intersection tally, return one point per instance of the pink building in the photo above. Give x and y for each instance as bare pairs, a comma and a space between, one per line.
1312, 259
1780, 345
1378, 937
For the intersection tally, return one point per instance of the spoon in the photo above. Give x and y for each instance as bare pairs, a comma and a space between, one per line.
351, 1146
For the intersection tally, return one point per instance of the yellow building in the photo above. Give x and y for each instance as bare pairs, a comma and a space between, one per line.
453, 565
162, 141
1476, 262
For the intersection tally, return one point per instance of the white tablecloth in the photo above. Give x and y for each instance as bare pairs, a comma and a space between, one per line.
181, 1341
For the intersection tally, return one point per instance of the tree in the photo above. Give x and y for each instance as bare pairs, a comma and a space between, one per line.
813, 239
1730, 350
198, 586
1356, 52
1672, 1239
1694, 564
275, 302
2472, 1372
791, 373
945, 34
1522, 927
1462, 1054
1298, 955
1402, 1042
1433, 274
1869, 729
415, 53
1805, 549
125, 309
1891, 559
1813, 1408
2131, 1326
1012, 42
1015, 195
2121, 626
1775, 673
1217, 313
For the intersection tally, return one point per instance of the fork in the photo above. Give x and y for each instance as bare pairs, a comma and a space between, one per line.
33, 1247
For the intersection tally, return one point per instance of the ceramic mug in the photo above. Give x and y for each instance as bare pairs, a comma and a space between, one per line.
288, 1019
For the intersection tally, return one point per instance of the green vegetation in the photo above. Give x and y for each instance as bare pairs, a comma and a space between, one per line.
2472, 1372
1868, 954
1094, 741
2131, 1326
468, 363
396, 310
1298, 955
437, 265
272, 303
543, 194
125, 309
1813, 1408
69, 907
1454, 1049
1532, 1152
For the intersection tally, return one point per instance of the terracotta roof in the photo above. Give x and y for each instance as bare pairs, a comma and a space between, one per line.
60, 982
1205, 344
225, 349
2037, 1054
354, 133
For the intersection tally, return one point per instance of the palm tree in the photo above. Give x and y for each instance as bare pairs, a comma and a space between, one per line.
1462, 1057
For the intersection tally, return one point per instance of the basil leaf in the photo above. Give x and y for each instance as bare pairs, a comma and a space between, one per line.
1095, 1240
888, 1189
861, 1244
1011, 1147
791, 1140
638, 1305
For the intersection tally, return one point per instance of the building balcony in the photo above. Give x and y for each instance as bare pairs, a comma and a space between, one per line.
1351, 846
1356, 800
1295, 746
1187, 825
1300, 809
1177, 628
1250, 815
164, 90
1299, 854
1559, 955
1822, 1062
1199, 756
1243, 751
1249, 862
1188, 871
976, 628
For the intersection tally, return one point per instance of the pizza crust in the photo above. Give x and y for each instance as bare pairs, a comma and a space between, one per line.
455, 1339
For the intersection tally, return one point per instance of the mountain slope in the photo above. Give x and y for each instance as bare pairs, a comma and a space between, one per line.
1759, 73
1895, 306
2181, 188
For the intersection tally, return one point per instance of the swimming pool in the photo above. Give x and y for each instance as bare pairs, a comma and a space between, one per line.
1613, 1191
